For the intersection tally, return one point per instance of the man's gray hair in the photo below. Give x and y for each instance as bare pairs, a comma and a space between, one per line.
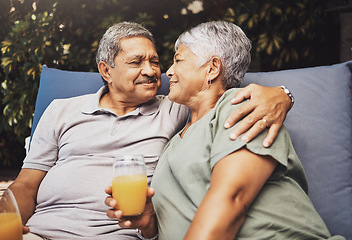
109, 45
222, 39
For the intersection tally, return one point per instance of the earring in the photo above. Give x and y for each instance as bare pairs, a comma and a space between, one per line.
208, 82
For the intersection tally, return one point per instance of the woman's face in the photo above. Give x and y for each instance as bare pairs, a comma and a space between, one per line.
186, 80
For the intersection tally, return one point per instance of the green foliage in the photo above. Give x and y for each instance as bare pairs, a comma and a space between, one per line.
30, 43
64, 34
286, 33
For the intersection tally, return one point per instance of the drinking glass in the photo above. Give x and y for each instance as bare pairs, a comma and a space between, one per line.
10, 218
129, 184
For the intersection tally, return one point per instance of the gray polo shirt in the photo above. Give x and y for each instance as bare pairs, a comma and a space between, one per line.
75, 142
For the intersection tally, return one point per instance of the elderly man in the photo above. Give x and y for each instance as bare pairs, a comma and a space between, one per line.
60, 190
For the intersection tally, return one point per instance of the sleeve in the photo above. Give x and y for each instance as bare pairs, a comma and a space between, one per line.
43, 151
222, 144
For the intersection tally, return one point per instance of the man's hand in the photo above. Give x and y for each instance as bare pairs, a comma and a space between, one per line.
267, 107
25, 229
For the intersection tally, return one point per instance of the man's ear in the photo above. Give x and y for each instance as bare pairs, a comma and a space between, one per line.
215, 66
104, 70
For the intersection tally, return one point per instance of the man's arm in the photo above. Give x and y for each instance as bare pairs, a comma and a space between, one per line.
25, 189
267, 107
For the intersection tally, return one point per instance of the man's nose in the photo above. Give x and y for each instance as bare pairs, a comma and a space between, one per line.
148, 69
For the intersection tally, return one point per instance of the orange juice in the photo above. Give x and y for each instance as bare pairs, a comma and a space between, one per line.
10, 226
130, 192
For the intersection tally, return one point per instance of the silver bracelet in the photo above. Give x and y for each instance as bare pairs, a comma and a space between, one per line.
140, 236
288, 93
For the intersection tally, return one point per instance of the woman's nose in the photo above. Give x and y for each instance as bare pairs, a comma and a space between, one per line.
170, 71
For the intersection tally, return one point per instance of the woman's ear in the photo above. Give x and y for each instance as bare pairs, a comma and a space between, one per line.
215, 67
104, 70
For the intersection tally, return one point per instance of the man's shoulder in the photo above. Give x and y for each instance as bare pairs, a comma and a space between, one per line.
75, 99
71, 102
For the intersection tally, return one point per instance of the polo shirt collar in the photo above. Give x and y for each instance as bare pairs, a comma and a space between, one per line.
92, 105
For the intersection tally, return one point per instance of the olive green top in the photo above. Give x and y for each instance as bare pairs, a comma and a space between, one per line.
282, 210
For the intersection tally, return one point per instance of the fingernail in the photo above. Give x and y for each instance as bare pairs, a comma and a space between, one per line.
118, 214
266, 144
227, 125
233, 136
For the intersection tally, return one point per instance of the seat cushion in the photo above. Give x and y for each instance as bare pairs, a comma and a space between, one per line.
320, 125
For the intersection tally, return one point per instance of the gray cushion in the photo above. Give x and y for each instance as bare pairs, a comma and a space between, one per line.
320, 125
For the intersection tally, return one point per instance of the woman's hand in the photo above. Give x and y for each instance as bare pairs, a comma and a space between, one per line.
146, 222
267, 107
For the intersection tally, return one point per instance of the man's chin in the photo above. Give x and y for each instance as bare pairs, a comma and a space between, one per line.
149, 93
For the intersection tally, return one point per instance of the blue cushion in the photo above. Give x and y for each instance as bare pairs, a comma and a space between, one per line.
320, 124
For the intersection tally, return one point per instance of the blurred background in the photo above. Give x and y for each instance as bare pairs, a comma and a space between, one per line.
64, 34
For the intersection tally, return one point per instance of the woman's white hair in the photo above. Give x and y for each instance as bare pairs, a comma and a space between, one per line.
224, 40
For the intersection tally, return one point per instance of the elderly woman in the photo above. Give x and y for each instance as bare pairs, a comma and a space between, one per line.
207, 186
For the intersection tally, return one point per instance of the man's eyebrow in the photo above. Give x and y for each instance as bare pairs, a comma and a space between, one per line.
155, 57
138, 56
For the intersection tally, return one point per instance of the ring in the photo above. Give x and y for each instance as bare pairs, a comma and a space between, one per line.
264, 120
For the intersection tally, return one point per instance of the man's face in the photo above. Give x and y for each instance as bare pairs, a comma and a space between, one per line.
136, 76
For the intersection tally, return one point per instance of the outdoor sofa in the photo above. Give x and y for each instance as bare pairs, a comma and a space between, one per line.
320, 124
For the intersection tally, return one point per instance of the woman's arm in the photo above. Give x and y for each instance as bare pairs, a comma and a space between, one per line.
235, 182
25, 189
269, 103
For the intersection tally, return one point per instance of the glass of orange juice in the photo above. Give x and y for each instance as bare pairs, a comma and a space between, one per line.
10, 218
129, 184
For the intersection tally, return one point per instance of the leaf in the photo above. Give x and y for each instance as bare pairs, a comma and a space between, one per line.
277, 41
291, 35
5, 61
6, 43
242, 18
269, 48
231, 12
